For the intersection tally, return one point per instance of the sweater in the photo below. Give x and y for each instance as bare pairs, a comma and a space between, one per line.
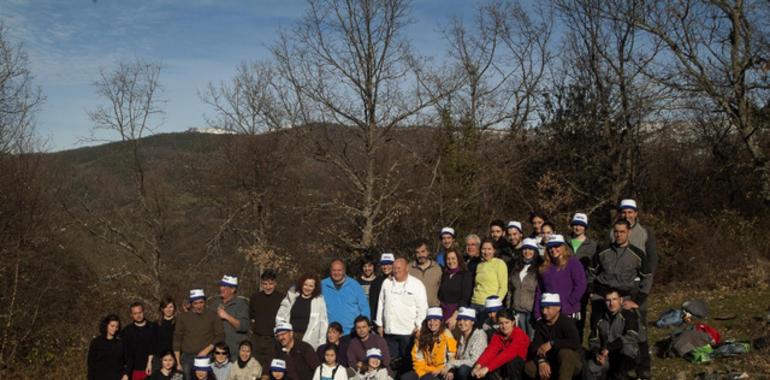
469, 352
356, 350
430, 277
315, 332
343, 305
222, 371
491, 280
569, 283
139, 343
196, 331
106, 359
502, 349
251, 371
424, 361
562, 334
165, 340
456, 290
325, 372
239, 309
262, 310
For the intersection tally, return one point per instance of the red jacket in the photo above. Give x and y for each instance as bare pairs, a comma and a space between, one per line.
501, 350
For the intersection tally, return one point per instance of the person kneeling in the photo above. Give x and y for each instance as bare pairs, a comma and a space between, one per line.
554, 352
504, 356
614, 342
433, 347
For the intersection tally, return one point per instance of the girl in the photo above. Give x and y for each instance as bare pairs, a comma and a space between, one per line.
167, 370
434, 346
277, 369
246, 367
330, 369
373, 369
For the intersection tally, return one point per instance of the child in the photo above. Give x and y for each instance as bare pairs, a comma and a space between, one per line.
277, 369
373, 370
167, 371
329, 369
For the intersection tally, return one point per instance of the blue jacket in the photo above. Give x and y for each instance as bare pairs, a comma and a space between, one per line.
345, 304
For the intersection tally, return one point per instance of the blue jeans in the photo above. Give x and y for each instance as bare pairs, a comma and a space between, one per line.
524, 322
462, 372
187, 365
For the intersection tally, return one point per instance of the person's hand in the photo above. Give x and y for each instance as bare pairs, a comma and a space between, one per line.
179, 367
148, 370
630, 305
451, 323
380, 331
449, 376
125, 377
444, 371
543, 349
602, 357
222, 313
544, 369
479, 372
436, 372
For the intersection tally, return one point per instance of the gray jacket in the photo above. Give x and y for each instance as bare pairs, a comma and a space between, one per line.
521, 294
470, 351
626, 269
238, 307
616, 333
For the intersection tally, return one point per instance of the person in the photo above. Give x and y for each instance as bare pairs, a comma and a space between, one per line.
373, 369
642, 238
305, 309
547, 229
277, 370
426, 270
221, 364
492, 306
491, 276
344, 297
367, 276
362, 341
263, 307
433, 346
246, 367
167, 368
472, 252
299, 357
503, 249
561, 273
514, 234
334, 338
584, 249
536, 221
555, 351
613, 343
470, 345
196, 332
619, 267
165, 329
506, 351
330, 369
233, 311
401, 310
386, 269
456, 287
447, 240
523, 285
106, 356
202, 368
139, 341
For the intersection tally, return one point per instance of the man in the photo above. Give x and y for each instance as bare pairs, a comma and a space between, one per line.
472, 252
584, 249
614, 343
299, 356
263, 307
401, 309
367, 276
447, 239
197, 331
386, 267
554, 352
512, 247
139, 340
427, 271
626, 268
345, 299
234, 313
362, 341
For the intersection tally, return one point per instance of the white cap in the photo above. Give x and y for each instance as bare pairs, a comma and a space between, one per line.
530, 243
202, 363
555, 240
447, 231
434, 313
387, 258
197, 294
493, 303
579, 218
627, 203
550, 299
466, 313
514, 224
229, 280
278, 365
374, 352
281, 327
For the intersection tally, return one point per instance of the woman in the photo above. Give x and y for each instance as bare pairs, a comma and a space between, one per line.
166, 323
305, 309
456, 287
167, 369
536, 221
245, 367
471, 345
434, 345
546, 230
105, 353
491, 277
334, 338
563, 274
221, 365
523, 285
506, 351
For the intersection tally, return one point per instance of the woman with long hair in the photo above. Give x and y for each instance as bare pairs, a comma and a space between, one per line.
456, 287
523, 285
506, 352
491, 277
471, 344
166, 323
433, 348
106, 359
305, 309
561, 273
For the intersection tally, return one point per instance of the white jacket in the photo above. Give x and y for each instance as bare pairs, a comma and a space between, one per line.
323, 371
402, 305
315, 335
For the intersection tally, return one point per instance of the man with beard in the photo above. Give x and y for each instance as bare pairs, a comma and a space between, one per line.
427, 271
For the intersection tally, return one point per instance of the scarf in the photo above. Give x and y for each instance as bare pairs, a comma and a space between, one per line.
241, 363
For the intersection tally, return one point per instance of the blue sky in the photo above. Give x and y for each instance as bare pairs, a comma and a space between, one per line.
198, 41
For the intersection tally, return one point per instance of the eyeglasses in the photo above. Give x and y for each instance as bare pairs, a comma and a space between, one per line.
220, 353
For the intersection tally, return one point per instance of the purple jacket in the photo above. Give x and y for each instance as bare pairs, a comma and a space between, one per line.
570, 283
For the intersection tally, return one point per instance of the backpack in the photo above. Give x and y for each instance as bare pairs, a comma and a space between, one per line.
713, 333
669, 318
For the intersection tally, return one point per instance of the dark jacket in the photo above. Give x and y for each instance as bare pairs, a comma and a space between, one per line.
106, 359
562, 334
374, 294
262, 310
619, 332
457, 289
139, 343
300, 361
165, 341
619, 268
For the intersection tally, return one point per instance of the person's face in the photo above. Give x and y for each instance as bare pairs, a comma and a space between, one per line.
578, 229
333, 336
528, 253
472, 247
514, 236
368, 269
629, 214
400, 270
465, 325
220, 355
198, 306
434, 325
362, 329
487, 251
168, 362
495, 232
614, 302
226, 292
244, 352
386, 269
268, 286
284, 338
137, 314
550, 313
337, 272
452, 261
620, 233
493, 316
308, 287
547, 231
556, 251
374, 362
506, 326
537, 224
277, 375
112, 328
421, 254
201, 375
447, 241
169, 310
330, 357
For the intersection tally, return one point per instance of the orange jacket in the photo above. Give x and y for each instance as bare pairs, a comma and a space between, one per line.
444, 350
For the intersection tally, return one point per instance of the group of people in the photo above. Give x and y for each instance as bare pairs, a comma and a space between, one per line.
505, 307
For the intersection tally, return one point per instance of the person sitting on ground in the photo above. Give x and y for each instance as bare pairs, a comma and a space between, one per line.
334, 338
523, 285
330, 369
433, 347
374, 368
614, 342
363, 340
471, 344
299, 357
202, 368
246, 367
555, 351
305, 309
504, 356
277, 370
492, 305
167, 369
221, 364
